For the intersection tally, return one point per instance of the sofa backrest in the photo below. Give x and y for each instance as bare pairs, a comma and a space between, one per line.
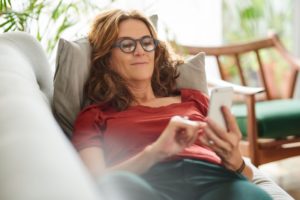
28, 48
37, 160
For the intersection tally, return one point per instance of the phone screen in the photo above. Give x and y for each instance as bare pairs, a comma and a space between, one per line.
219, 97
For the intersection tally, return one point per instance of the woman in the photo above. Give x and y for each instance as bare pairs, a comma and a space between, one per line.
141, 123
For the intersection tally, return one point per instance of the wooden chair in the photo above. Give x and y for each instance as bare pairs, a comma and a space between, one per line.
270, 124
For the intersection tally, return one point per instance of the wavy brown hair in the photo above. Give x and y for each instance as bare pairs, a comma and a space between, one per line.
104, 85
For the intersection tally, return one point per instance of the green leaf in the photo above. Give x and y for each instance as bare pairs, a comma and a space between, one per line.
21, 22
5, 22
56, 11
250, 13
74, 6
4, 5
49, 45
39, 9
9, 27
62, 28
32, 5
38, 35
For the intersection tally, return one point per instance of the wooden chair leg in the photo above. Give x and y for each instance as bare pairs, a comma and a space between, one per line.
252, 130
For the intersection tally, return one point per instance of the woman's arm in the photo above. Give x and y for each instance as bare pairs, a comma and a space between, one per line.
178, 134
94, 160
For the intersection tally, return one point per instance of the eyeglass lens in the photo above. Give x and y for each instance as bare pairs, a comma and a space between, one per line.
128, 45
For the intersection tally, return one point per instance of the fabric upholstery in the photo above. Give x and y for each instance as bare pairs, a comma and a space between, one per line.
264, 182
276, 119
37, 161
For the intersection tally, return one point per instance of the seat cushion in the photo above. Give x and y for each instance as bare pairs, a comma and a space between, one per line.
276, 119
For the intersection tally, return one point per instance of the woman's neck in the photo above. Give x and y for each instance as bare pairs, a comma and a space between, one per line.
142, 93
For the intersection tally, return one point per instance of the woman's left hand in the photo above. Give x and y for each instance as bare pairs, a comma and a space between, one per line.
224, 142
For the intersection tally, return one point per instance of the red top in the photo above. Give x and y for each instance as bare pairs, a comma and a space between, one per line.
123, 134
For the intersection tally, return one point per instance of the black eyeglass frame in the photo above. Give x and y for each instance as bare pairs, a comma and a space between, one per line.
119, 45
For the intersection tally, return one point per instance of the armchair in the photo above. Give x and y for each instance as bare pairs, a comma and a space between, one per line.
37, 160
269, 124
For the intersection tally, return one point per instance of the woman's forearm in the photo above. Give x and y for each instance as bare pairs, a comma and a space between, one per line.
139, 163
93, 158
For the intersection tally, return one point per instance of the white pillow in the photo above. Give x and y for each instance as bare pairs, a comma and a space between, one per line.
192, 73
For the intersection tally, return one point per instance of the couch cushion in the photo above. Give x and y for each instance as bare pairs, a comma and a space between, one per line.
38, 71
276, 119
264, 182
35, 155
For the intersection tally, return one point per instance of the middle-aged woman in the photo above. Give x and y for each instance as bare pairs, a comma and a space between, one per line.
139, 122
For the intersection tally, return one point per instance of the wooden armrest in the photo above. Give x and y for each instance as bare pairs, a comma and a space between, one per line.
236, 88
292, 60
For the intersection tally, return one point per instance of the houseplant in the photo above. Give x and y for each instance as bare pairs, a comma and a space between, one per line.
45, 19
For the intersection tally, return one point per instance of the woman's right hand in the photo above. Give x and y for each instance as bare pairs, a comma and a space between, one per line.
179, 134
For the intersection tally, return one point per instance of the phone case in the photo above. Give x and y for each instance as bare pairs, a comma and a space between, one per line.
219, 97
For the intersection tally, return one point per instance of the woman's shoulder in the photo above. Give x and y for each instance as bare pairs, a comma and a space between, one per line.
187, 94
90, 113
200, 100
91, 108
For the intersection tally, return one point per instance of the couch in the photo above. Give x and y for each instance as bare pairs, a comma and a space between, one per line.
37, 159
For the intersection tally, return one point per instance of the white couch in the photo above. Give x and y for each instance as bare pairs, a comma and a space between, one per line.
36, 159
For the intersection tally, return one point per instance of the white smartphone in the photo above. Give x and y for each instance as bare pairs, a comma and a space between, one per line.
220, 96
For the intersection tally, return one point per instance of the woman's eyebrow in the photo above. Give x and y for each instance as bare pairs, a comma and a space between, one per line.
127, 37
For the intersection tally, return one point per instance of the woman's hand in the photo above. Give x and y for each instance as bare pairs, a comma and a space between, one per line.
224, 142
179, 134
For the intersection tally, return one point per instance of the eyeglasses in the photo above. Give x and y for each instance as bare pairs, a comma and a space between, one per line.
128, 45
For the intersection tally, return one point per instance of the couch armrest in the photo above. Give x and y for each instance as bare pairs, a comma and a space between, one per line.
261, 180
37, 160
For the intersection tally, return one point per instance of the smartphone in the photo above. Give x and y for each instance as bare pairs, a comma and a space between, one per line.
220, 96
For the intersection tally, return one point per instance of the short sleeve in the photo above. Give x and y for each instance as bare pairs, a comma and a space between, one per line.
87, 132
201, 100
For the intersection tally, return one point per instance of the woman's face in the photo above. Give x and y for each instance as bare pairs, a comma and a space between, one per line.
135, 67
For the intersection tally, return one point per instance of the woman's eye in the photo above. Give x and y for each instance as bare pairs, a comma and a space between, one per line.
128, 45
148, 42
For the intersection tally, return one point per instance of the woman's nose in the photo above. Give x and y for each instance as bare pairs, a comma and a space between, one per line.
139, 49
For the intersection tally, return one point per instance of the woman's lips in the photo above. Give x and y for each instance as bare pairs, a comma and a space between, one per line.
139, 63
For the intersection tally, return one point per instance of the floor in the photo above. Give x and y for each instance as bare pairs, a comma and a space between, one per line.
286, 173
